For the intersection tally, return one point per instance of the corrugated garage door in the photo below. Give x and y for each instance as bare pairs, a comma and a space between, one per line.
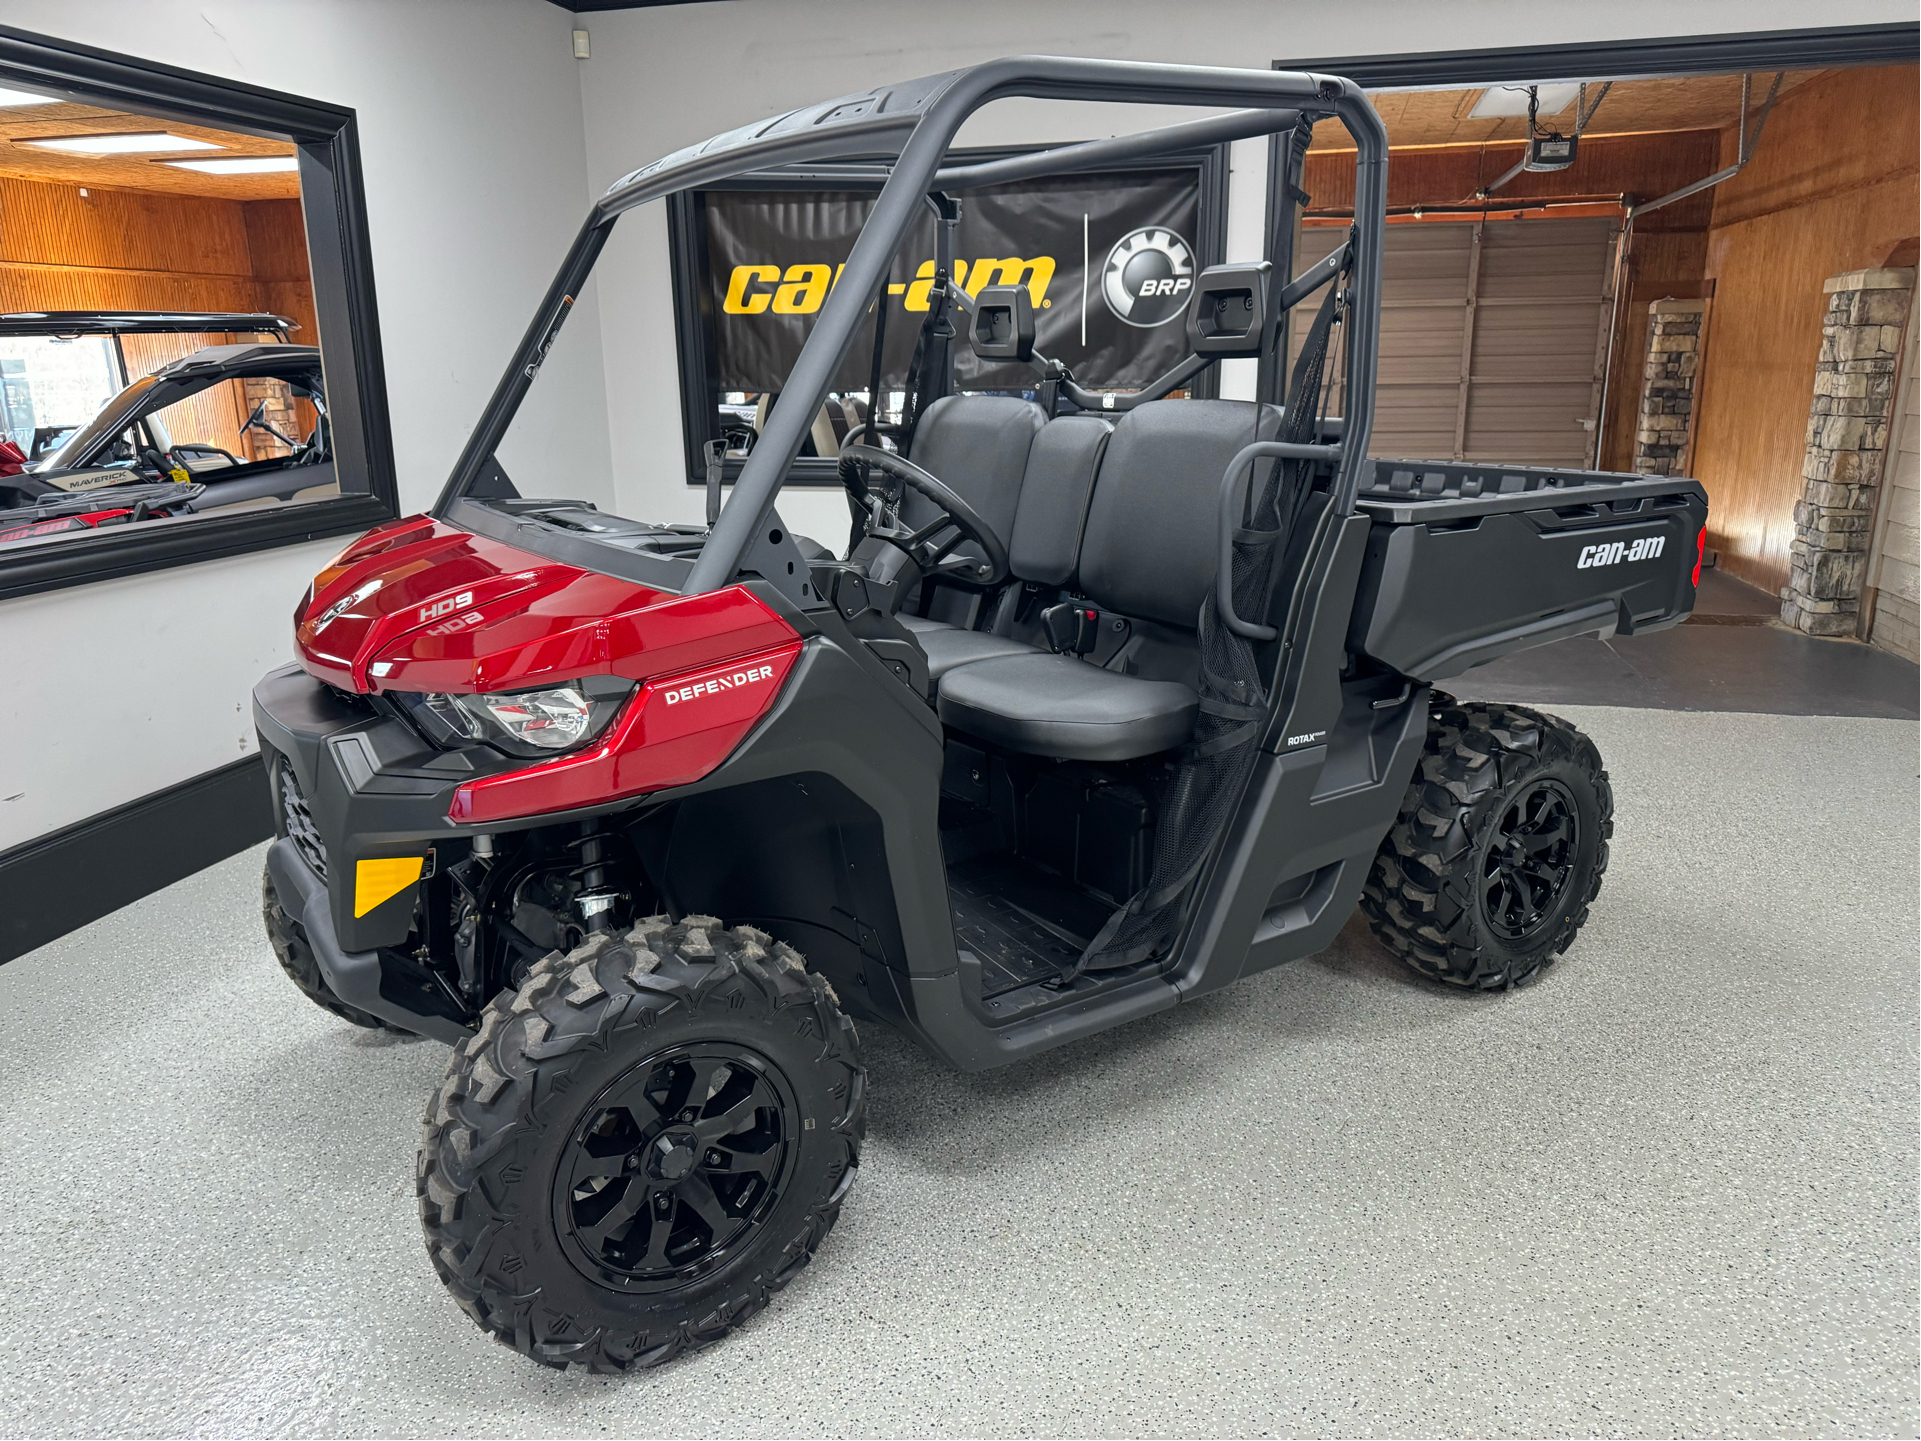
1492, 337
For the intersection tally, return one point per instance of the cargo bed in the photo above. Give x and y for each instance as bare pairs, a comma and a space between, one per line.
1467, 563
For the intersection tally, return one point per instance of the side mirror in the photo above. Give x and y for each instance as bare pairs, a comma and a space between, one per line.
1228, 314
1004, 323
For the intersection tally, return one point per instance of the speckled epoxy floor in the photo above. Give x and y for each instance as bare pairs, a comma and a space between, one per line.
1669, 1190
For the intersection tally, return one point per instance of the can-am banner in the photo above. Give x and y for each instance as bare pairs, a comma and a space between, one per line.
1110, 261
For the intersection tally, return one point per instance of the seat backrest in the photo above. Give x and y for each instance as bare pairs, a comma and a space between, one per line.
977, 446
1151, 541
1046, 538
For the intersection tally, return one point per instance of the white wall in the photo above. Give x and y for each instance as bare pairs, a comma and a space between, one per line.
665, 77
470, 128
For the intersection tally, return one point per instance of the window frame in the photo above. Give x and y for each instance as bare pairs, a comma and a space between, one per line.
340, 259
693, 292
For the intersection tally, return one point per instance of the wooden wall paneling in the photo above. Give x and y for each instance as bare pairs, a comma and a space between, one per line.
143, 251
276, 239
44, 287
1831, 188
121, 230
277, 244
293, 299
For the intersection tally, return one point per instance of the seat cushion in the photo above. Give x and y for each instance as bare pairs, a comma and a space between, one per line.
1054, 705
948, 646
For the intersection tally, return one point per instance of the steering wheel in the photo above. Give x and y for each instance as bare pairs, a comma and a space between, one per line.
956, 516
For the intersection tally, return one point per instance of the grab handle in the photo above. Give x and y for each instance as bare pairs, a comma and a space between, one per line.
1230, 509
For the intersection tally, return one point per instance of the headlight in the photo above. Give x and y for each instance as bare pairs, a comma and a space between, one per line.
526, 723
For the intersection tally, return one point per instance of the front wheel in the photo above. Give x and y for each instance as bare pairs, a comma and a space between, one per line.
296, 956
1499, 849
642, 1144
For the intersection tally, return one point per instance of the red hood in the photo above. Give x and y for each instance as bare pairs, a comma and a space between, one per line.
420, 605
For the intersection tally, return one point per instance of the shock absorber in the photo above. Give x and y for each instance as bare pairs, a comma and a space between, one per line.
595, 901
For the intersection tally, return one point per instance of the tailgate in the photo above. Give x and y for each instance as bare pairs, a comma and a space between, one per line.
1468, 563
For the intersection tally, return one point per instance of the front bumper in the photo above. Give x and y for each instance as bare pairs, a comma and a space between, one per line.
377, 794
377, 984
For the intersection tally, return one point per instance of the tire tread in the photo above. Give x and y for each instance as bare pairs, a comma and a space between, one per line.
516, 1067
1417, 898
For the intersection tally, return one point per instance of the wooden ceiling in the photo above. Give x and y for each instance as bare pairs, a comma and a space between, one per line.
1631, 107
134, 172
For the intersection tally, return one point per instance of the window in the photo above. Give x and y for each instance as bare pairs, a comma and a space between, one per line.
189, 362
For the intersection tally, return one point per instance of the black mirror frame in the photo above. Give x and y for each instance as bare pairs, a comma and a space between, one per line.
326, 139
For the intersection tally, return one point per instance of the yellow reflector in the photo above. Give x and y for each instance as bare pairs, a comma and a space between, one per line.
377, 881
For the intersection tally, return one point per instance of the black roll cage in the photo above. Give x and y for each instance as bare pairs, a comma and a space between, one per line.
917, 121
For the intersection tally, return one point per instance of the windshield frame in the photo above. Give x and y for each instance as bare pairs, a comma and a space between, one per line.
917, 122
132, 403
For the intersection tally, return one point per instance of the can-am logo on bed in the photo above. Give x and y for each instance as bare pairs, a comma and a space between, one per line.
1613, 553
1148, 276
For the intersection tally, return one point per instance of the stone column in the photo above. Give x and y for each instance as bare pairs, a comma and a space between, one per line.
279, 413
1667, 392
1847, 443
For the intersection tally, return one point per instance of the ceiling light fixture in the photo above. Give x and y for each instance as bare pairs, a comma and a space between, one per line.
26, 97
121, 144
1499, 102
237, 164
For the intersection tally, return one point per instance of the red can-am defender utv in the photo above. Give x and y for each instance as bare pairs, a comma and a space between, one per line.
1114, 700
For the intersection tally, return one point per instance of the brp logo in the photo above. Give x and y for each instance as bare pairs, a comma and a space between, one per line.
1148, 277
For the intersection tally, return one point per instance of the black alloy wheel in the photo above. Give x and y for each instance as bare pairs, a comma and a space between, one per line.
674, 1165
1529, 860
1499, 850
642, 1143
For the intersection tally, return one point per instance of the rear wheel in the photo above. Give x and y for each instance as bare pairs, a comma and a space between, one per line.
642, 1144
1499, 849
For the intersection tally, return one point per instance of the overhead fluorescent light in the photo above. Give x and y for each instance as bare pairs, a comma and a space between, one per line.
121, 144
237, 164
26, 97
1498, 102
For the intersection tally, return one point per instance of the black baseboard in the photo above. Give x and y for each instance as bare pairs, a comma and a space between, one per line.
78, 874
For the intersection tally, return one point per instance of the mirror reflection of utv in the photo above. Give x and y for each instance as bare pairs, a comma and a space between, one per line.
121, 464
1110, 700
